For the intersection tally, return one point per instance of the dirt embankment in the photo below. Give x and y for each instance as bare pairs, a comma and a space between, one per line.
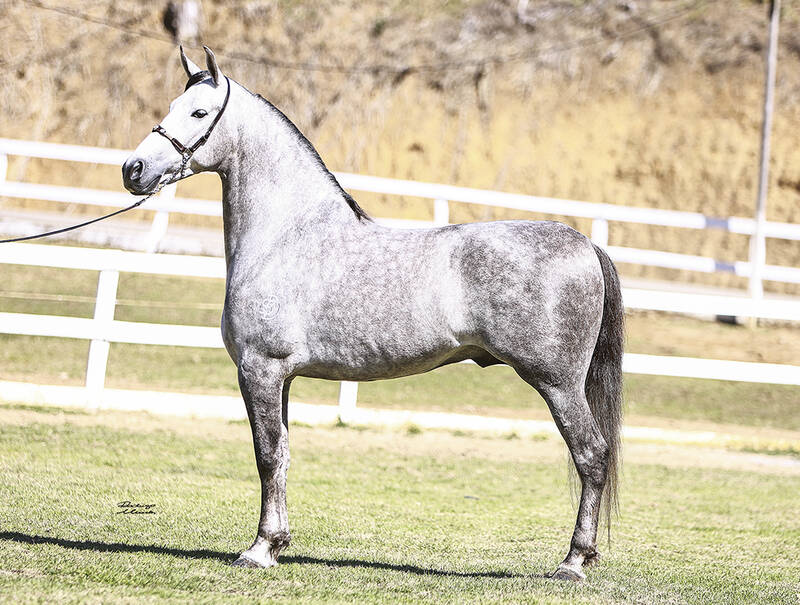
643, 102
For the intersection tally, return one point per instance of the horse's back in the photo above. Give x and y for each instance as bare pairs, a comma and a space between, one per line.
487, 251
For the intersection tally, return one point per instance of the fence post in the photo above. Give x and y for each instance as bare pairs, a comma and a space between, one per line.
758, 245
348, 393
600, 232
441, 212
98, 349
161, 220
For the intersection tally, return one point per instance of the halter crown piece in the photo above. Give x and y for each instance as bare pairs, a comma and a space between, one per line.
186, 155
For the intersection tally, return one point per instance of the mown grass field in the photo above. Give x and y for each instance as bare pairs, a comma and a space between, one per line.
377, 516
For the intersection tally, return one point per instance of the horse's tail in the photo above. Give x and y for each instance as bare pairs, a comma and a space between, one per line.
604, 379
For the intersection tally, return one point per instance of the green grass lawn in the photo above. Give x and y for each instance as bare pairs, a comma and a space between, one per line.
377, 516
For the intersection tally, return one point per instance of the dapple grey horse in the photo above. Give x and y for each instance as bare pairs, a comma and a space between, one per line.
315, 288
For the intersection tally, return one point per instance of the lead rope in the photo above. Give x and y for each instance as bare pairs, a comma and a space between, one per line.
186, 155
94, 220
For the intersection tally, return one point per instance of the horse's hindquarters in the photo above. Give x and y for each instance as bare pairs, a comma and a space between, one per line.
534, 291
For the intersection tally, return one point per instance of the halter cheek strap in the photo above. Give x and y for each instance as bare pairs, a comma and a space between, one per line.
188, 152
186, 155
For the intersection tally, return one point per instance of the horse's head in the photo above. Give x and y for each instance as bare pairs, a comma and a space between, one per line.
188, 140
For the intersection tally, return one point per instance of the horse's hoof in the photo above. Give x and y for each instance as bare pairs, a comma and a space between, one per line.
249, 563
568, 575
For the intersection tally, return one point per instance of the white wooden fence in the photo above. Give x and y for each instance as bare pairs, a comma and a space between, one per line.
103, 329
442, 195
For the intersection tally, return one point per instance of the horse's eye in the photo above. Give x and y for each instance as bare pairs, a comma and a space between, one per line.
199, 113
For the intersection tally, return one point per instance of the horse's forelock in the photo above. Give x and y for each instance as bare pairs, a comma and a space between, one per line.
196, 78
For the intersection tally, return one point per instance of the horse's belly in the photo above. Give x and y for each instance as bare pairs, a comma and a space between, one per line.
360, 353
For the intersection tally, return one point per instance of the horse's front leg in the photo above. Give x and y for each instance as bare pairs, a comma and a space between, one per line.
265, 391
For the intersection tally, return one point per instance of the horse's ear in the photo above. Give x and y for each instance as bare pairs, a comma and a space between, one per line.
211, 64
189, 67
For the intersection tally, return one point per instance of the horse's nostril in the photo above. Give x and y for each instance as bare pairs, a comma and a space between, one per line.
136, 170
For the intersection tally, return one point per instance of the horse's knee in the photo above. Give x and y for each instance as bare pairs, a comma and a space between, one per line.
272, 451
262, 384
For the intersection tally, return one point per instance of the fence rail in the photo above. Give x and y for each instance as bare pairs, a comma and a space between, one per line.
359, 182
442, 195
103, 329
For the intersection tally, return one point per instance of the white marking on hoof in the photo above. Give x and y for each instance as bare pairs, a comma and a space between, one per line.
248, 561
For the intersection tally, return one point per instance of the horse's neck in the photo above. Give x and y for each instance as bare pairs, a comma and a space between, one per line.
274, 184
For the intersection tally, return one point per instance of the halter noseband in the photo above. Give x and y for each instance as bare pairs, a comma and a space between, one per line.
188, 152
186, 155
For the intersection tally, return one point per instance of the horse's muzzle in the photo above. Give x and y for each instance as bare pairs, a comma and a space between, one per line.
132, 171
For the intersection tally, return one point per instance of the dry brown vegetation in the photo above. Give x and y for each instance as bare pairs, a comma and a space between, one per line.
596, 105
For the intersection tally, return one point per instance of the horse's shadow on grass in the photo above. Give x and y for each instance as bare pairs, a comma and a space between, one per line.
225, 557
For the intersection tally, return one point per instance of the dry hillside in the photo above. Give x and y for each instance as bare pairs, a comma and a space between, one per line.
639, 102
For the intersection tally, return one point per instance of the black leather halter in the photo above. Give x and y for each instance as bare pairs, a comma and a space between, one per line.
188, 152
186, 155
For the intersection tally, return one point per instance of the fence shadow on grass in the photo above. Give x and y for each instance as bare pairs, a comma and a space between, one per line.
14, 536
421, 571
226, 557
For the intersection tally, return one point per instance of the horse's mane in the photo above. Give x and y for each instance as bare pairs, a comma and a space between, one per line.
360, 213
306, 144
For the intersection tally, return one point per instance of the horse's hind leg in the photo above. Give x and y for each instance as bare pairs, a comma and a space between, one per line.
265, 394
590, 453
